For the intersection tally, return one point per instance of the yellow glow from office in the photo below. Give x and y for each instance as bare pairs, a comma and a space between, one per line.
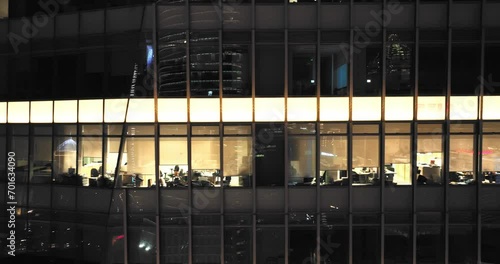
270, 109
463, 107
3, 112
204, 109
399, 108
431, 107
90, 111
491, 107
334, 109
41, 112
19, 112
141, 110
366, 108
172, 110
4, 8
114, 110
237, 109
65, 111
302, 109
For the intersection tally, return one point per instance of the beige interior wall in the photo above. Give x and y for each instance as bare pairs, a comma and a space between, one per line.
333, 145
4, 8
205, 153
237, 156
365, 151
491, 153
173, 151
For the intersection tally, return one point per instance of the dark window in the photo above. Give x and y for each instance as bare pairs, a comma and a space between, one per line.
269, 157
491, 78
398, 244
433, 68
270, 70
366, 244
399, 66
204, 63
465, 69
368, 71
302, 70
237, 70
172, 64
334, 69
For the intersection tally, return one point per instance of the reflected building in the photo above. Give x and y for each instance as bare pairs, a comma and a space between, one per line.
252, 131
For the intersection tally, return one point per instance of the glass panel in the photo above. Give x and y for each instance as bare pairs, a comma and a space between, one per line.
173, 162
171, 130
366, 244
65, 130
45, 130
365, 129
368, 71
399, 66
365, 160
270, 245
398, 160
136, 130
491, 127
334, 244
332, 128
90, 160
430, 128
302, 156
236, 70
489, 244
269, 153
237, 130
334, 70
237, 162
65, 162
465, 69
302, 70
429, 159
430, 244
491, 69
204, 63
333, 160
205, 130
302, 245
397, 128
433, 65
139, 162
112, 151
301, 128
114, 130
206, 244
461, 128
41, 166
91, 130
491, 159
398, 244
270, 70
205, 159
172, 63
142, 238
238, 245
462, 159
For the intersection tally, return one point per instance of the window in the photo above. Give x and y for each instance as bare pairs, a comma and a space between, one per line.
429, 154
490, 153
333, 155
269, 155
204, 63
302, 154
398, 154
368, 71
433, 68
172, 64
270, 64
334, 69
237, 156
205, 156
399, 65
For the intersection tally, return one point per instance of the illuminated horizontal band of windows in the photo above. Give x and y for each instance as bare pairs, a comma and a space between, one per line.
241, 109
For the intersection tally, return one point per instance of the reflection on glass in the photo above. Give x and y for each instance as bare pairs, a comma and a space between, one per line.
106, 180
429, 159
491, 159
138, 159
237, 162
175, 244
365, 160
206, 244
333, 160
19, 145
463, 244
334, 247
399, 66
270, 245
205, 160
489, 244
397, 160
90, 160
368, 71
398, 244
302, 157
173, 162
465, 69
142, 239
236, 70
172, 63
461, 160
302, 70
41, 166
491, 68
204, 64
65, 161
302, 245
238, 245
334, 68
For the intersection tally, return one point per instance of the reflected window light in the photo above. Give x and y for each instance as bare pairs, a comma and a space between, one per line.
368, 81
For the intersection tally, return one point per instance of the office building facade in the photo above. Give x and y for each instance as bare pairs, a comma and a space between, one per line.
250, 131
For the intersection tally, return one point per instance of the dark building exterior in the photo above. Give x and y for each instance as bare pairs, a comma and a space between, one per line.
249, 131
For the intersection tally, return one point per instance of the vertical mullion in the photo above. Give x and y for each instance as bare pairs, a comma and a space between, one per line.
382, 139
254, 175
446, 136
188, 96
414, 141
318, 142
285, 137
